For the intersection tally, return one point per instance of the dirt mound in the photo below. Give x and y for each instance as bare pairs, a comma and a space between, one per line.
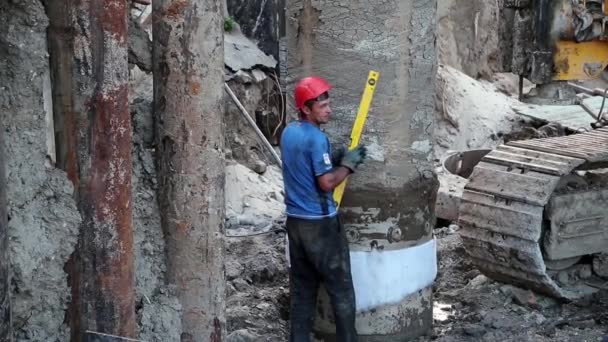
257, 303
253, 201
470, 113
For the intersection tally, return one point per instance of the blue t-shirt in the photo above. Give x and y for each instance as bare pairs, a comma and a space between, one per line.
306, 155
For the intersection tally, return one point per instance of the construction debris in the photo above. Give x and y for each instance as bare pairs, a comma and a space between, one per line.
253, 200
463, 122
240, 53
572, 117
254, 126
43, 218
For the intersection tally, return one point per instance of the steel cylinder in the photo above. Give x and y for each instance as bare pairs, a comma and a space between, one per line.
388, 206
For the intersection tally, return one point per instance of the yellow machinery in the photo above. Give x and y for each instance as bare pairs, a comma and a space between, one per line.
555, 40
533, 212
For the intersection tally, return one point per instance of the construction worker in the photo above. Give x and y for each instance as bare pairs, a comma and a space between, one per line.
318, 249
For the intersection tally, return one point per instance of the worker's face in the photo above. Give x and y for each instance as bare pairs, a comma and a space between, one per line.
320, 112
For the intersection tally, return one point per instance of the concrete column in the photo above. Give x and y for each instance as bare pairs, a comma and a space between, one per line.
388, 208
88, 41
6, 322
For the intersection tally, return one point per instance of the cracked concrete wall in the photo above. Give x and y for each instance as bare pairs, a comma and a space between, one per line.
43, 216
389, 203
158, 310
469, 36
260, 20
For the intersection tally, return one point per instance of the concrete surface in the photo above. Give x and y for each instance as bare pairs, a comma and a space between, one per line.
261, 20
158, 310
43, 219
241, 53
389, 203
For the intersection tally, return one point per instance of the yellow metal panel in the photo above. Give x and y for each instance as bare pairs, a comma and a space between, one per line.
355, 135
580, 61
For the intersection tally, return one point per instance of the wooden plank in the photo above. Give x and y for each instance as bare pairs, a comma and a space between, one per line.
590, 140
592, 134
577, 145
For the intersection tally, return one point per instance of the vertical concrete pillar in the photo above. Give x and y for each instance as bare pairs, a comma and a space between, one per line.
188, 55
6, 329
88, 40
388, 208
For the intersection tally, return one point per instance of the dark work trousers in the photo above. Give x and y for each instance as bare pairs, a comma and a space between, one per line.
318, 252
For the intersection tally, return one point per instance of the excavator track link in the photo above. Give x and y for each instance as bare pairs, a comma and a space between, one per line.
502, 208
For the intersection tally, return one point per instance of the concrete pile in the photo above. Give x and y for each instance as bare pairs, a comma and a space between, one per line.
254, 199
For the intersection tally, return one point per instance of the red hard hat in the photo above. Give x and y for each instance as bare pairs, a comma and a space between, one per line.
310, 88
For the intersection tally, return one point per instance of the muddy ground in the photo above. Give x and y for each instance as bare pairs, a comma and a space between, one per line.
468, 306
257, 303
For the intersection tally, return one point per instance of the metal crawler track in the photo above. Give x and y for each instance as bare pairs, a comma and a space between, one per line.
505, 204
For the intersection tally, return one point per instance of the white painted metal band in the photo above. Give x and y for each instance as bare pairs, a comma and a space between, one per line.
388, 277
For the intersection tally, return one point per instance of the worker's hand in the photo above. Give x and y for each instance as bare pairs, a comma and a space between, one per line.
337, 156
352, 159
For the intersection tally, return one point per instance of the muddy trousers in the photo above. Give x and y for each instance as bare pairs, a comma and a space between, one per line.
318, 252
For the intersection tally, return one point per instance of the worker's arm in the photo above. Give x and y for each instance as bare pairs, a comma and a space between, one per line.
330, 180
330, 173
347, 165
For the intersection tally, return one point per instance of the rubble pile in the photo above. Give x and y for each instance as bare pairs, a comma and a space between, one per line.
253, 201
257, 303
251, 74
471, 307
471, 114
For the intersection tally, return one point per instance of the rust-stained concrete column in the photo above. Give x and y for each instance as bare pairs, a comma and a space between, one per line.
388, 207
90, 69
188, 62
6, 331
